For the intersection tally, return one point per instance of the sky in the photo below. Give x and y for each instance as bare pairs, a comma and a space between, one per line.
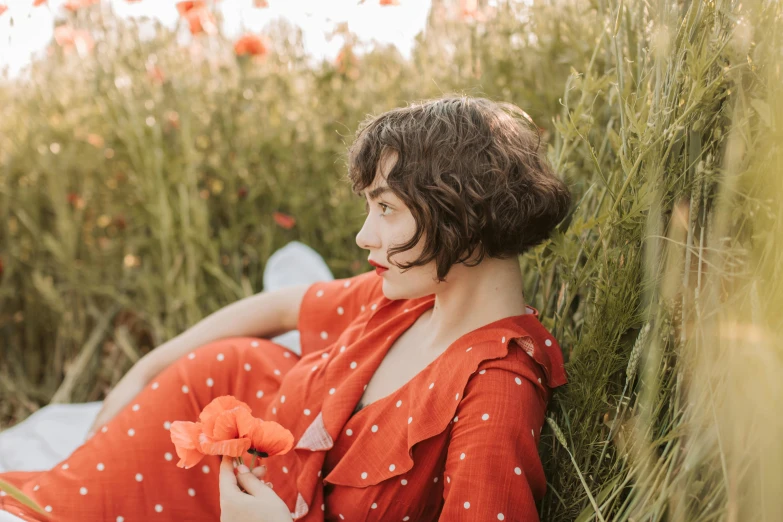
33, 27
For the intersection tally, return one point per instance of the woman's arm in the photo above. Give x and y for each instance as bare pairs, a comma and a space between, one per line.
493, 471
266, 314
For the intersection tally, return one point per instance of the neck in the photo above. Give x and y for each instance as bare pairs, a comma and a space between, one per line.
473, 297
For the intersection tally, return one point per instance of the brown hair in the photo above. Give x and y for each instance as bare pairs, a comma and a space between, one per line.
471, 174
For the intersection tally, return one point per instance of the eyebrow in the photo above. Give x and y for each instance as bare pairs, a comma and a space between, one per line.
378, 191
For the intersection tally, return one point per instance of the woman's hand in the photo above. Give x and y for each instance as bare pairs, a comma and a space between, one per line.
126, 389
257, 503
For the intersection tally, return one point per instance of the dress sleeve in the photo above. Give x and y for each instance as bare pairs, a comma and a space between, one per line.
328, 307
492, 470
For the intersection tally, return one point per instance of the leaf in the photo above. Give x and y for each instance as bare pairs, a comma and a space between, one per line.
45, 287
21, 497
55, 247
223, 278
762, 108
589, 512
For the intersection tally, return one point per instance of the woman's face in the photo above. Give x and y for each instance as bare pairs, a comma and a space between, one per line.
389, 223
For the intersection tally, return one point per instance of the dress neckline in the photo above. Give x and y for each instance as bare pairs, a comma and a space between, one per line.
416, 311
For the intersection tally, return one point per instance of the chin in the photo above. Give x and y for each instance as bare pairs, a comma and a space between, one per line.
388, 292
393, 292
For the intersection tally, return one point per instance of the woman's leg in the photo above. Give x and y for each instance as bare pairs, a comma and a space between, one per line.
127, 471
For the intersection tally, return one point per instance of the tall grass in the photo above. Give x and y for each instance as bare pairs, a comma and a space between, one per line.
132, 207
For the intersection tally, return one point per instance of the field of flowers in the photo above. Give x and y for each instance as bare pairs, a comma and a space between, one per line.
144, 183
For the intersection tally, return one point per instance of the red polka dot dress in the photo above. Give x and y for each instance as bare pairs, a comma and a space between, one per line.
456, 442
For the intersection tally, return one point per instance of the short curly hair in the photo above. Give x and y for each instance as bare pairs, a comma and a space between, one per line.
470, 172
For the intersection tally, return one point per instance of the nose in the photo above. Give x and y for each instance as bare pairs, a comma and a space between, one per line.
367, 238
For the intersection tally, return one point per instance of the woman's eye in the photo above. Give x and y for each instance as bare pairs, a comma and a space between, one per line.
384, 209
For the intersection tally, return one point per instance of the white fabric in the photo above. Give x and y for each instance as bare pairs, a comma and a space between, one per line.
5, 516
52, 433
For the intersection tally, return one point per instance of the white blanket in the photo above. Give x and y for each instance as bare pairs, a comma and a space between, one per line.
52, 433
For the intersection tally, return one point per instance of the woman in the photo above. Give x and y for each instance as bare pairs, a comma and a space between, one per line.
422, 385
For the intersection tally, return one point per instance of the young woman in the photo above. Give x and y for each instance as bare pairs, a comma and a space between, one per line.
422, 385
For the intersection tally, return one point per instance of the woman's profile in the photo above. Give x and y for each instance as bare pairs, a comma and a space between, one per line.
422, 385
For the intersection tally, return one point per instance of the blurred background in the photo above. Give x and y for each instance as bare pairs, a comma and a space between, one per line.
154, 154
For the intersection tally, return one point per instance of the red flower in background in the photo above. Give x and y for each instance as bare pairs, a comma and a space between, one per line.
261, 3
75, 200
36, 3
68, 38
120, 222
201, 20
154, 72
73, 5
250, 44
3, 8
284, 220
346, 59
184, 7
390, 2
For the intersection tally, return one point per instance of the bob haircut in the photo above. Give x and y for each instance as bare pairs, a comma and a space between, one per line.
470, 172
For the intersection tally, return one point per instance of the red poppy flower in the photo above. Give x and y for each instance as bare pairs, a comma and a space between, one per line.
68, 38
154, 72
261, 3
3, 8
75, 200
120, 222
250, 44
36, 3
200, 20
284, 220
227, 427
184, 7
390, 2
73, 5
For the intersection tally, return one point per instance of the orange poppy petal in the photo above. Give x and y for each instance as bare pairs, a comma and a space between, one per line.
271, 438
245, 422
188, 457
226, 425
218, 405
185, 434
232, 447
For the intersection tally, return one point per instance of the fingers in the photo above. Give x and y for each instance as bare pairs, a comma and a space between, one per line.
259, 471
227, 479
250, 482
